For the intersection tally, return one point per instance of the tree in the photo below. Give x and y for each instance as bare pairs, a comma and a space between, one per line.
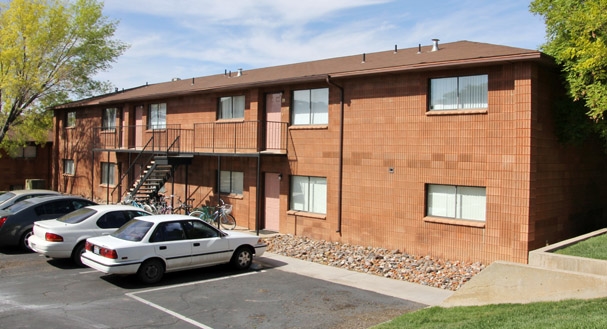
576, 32
49, 51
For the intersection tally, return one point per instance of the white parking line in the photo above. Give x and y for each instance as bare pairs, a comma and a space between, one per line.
175, 314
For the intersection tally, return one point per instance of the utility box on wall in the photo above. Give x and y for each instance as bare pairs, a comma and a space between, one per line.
31, 184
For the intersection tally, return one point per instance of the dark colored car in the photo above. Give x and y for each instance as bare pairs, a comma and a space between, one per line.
16, 221
9, 198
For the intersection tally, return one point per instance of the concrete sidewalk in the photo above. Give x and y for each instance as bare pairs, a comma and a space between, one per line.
390, 287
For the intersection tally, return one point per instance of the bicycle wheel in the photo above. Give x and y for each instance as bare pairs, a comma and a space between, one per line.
228, 222
197, 214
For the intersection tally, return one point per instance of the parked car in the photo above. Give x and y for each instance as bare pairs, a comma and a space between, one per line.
9, 198
152, 245
16, 221
64, 237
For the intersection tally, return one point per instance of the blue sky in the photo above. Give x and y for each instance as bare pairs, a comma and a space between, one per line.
192, 38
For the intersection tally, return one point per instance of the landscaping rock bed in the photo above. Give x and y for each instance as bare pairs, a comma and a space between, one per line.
394, 264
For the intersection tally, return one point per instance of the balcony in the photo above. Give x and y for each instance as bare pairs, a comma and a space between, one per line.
242, 137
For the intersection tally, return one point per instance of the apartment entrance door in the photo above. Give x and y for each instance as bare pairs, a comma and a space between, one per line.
273, 124
139, 126
272, 201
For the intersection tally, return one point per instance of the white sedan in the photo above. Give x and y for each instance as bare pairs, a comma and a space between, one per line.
65, 236
151, 246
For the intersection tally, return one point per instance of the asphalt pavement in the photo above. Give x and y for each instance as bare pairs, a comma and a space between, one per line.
390, 287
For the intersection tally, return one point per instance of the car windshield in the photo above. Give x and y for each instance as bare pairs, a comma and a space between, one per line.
6, 196
133, 230
77, 216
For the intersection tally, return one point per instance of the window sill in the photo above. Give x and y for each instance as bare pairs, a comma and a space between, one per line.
106, 186
456, 112
232, 196
306, 214
68, 175
230, 120
309, 127
453, 221
108, 131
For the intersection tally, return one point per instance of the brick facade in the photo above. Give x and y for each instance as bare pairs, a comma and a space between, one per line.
380, 159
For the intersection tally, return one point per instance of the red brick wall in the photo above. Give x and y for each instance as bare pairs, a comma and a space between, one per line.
14, 171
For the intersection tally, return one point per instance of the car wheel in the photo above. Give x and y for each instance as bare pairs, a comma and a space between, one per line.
151, 271
242, 258
77, 252
23, 242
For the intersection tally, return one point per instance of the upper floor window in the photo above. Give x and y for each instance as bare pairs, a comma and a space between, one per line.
109, 119
157, 118
231, 107
70, 120
309, 194
457, 93
231, 182
311, 106
68, 167
24, 152
108, 170
461, 202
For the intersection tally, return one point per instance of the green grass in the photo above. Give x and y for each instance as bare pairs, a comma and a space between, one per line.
574, 314
595, 247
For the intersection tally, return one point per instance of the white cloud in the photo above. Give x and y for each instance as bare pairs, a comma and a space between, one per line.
195, 38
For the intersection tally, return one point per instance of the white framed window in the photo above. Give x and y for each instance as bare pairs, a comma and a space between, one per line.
231, 182
70, 120
231, 107
108, 172
68, 167
109, 119
456, 93
157, 118
311, 106
308, 194
460, 202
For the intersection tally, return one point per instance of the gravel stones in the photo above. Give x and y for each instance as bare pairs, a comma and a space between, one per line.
394, 264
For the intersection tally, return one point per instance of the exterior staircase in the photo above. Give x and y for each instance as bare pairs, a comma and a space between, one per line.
158, 171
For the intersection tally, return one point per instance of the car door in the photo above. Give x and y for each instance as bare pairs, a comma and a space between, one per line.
170, 243
209, 247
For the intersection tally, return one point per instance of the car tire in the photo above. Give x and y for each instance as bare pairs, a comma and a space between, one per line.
23, 244
77, 252
242, 258
151, 271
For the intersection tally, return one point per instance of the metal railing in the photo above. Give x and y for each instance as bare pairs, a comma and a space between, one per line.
212, 137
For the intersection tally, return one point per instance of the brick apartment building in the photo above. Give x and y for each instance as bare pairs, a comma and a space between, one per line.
446, 150
29, 167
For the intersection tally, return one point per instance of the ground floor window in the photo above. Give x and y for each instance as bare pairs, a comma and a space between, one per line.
461, 202
108, 170
231, 182
68, 167
308, 194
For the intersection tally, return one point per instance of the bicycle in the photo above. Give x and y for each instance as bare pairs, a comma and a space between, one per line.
164, 207
213, 215
185, 206
129, 200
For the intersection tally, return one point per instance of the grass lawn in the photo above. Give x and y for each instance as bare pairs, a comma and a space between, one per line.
565, 314
595, 247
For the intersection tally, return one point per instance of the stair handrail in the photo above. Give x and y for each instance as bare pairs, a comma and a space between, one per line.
131, 166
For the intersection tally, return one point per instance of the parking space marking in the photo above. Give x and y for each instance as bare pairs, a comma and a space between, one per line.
175, 314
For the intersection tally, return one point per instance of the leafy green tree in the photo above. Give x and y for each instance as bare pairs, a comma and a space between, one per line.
49, 51
576, 32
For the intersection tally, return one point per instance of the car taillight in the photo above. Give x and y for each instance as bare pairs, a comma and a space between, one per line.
105, 252
52, 237
108, 253
3, 220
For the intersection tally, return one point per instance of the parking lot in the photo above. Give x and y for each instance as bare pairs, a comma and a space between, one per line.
39, 293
